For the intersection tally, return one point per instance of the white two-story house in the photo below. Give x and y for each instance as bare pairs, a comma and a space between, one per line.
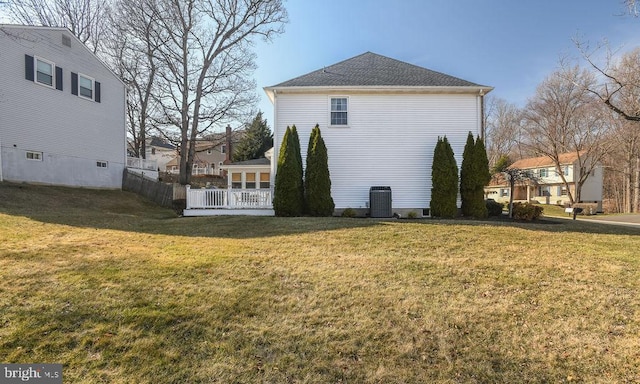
380, 119
62, 111
546, 185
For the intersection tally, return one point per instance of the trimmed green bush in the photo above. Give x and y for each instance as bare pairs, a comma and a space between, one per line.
494, 208
444, 179
349, 212
288, 197
527, 211
317, 182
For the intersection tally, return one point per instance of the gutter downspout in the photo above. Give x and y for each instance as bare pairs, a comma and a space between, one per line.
276, 147
1, 159
481, 107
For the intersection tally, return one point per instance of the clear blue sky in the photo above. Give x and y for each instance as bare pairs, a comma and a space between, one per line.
511, 45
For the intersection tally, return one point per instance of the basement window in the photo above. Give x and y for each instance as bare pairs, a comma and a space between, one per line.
102, 164
36, 156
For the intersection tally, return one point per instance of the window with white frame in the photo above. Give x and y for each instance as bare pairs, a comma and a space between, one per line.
32, 155
544, 172
44, 71
236, 180
85, 86
339, 111
562, 190
250, 181
265, 181
504, 192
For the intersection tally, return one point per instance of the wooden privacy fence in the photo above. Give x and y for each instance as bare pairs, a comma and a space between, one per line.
156, 191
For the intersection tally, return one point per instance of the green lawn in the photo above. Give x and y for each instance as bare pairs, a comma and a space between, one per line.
120, 291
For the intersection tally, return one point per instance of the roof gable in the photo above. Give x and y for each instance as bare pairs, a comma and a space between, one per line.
10, 29
544, 161
370, 69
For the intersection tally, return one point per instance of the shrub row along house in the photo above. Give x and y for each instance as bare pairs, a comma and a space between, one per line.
380, 120
62, 111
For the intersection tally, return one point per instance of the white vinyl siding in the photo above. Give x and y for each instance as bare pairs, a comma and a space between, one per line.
70, 132
390, 140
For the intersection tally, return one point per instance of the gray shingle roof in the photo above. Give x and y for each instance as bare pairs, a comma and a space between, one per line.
370, 69
261, 161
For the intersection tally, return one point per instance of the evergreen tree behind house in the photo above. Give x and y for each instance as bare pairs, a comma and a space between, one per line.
256, 140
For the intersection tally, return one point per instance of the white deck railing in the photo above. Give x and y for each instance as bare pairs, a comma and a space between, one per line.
228, 198
134, 162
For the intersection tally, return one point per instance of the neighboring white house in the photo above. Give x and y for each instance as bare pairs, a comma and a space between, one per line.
380, 119
62, 111
161, 151
546, 185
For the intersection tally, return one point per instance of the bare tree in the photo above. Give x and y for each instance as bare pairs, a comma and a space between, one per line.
632, 7
134, 38
620, 91
564, 117
502, 120
615, 83
204, 67
621, 183
84, 18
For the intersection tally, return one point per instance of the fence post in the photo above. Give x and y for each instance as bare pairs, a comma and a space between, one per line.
187, 189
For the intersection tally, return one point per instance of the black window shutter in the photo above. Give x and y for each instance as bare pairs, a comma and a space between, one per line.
28, 67
59, 78
74, 83
97, 91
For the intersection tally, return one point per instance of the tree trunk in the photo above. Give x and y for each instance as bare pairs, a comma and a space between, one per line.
636, 187
512, 184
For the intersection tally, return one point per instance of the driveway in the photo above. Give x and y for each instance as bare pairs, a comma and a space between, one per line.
629, 219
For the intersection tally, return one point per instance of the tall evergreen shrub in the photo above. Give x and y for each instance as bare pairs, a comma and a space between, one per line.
299, 168
287, 200
474, 175
444, 179
317, 182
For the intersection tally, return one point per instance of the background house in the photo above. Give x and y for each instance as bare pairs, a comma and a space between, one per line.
546, 185
380, 120
62, 111
160, 151
211, 153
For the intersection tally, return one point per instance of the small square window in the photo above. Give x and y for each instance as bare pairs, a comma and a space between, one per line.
544, 172
85, 86
44, 72
31, 155
102, 164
